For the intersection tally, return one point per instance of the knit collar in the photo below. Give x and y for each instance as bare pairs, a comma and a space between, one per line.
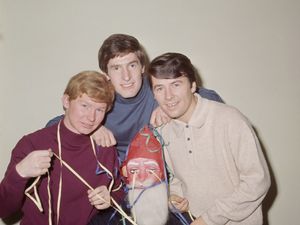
71, 140
197, 119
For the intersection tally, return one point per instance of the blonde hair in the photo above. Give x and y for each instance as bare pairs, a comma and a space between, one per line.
93, 84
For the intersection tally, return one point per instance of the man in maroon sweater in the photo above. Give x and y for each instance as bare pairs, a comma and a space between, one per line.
72, 179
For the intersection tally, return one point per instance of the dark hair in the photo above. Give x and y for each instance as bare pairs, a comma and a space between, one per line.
170, 66
120, 45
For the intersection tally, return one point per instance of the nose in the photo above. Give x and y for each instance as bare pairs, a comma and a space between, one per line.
168, 93
142, 175
91, 115
126, 74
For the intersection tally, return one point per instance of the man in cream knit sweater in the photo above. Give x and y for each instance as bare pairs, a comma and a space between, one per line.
219, 171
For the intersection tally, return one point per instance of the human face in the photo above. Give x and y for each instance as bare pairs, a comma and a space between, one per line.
143, 172
83, 115
125, 73
175, 97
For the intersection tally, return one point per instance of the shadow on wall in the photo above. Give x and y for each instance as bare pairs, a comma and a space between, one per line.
272, 193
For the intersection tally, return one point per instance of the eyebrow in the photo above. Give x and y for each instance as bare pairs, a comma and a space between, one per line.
132, 164
119, 64
151, 163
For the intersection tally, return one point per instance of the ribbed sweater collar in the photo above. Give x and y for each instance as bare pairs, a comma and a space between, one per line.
70, 140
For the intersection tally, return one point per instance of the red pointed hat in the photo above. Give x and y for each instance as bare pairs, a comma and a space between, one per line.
145, 145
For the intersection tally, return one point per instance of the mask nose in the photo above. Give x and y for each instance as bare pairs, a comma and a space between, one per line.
142, 175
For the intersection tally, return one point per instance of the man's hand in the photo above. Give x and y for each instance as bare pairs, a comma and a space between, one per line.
159, 117
182, 204
100, 197
104, 137
198, 221
36, 163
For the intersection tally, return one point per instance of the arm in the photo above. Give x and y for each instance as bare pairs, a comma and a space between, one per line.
175, 199
104, 137
209, 94
22, 167
159, 117
253, 176
55, 120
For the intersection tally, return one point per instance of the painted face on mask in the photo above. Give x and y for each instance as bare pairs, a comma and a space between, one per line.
144, 165
143, 172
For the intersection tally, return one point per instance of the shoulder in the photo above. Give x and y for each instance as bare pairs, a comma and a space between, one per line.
54, 121
230, 117
209, 94
36, 140
107, 152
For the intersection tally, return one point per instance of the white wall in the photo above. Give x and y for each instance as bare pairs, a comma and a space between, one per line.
246, 50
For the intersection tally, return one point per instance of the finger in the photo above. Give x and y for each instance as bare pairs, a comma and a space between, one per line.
165, 119
44, 165
46, 153
152, 120
97, 191
112, 139
158, 121
176, 198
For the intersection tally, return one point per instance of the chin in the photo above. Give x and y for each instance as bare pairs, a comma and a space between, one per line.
129, 94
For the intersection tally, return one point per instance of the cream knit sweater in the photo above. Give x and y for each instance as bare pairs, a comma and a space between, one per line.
217, 164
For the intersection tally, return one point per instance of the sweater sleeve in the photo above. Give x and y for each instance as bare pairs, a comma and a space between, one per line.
175, 184
253, 175
13, 185
118, 193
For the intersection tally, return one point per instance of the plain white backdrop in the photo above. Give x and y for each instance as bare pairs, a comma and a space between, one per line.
248, 51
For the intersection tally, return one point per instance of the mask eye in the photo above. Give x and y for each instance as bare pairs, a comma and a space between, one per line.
133, 171
151, 171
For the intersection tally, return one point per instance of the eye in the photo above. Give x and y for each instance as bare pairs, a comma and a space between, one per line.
133, 171
133, 65
176, 84
116, 67
158, 89
151, 170
100, 110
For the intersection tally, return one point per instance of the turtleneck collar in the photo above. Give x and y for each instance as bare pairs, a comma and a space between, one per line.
71, 140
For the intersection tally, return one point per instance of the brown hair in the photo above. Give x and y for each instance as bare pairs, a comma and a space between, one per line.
93, 84
171, 66
120, 45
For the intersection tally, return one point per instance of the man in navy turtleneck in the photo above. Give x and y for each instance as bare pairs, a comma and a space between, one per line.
124, 61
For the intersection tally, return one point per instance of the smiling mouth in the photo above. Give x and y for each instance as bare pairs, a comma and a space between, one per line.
88, 126
129, 85
171, 105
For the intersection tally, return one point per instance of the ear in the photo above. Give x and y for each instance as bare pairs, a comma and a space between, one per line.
65, 101
143, 69
124, 171
194, 87
107, 76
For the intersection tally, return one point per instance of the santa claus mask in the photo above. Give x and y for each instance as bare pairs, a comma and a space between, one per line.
144, 164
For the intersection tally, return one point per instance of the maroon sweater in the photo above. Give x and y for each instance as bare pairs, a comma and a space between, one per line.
77, 152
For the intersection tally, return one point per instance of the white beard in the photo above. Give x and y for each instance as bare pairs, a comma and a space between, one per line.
152, 206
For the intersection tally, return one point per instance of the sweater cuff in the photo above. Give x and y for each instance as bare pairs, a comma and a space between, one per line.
14, 180
213, 218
